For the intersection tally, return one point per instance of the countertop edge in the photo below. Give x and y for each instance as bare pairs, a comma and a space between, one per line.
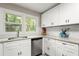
64, 40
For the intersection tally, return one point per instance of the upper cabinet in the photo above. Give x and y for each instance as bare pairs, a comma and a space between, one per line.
69, 13
63, 14
50, 17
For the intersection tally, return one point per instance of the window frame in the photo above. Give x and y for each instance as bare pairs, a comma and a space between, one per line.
13, 23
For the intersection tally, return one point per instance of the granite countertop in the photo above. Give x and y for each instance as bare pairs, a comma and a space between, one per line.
70, 40
4, 40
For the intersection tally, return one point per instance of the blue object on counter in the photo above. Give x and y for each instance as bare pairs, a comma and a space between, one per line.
64, 34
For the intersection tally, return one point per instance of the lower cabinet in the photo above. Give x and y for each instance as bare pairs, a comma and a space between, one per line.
49, 47
54, 47
1, 49
18, 48
59, 48
70, 49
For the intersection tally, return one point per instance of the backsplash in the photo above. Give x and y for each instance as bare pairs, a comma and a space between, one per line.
73, 32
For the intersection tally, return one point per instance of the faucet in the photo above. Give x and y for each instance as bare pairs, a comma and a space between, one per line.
17, 33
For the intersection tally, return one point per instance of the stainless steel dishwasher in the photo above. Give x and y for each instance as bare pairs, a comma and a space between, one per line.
36, 48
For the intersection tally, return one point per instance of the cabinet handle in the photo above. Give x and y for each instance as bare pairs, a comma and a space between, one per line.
52, 23
64, 43
48, 48
62, 54
48, 39
43, 24
66, 21
19, 53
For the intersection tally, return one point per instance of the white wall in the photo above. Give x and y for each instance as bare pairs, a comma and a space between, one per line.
73, 32
24, 16
15, 7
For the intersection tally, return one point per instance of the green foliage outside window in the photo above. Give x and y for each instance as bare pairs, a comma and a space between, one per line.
13, 18
13, 23
31, 25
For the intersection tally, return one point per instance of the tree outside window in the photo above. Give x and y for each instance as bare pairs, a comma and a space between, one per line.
31, 24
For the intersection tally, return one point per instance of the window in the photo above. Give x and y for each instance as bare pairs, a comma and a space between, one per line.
31, 24
13, 23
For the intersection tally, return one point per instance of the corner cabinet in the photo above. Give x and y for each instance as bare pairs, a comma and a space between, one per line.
54, 47
63, 14
50, 18
18, 48
51, 48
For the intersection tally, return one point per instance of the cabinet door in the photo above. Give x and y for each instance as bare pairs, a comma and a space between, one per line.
59, 48
45, 19
1, 50
69, 13
51, 17
10, 49
64, 12
52, 47
25, 51
55, 16
25, 47
74, 12
70, 49
18, 48
46, 46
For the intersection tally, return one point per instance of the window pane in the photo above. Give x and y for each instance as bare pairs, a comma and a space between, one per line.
13, 23
31, 24
18, 19
12, 28
10, 17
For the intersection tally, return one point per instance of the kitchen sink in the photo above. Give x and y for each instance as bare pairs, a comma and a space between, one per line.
17, 38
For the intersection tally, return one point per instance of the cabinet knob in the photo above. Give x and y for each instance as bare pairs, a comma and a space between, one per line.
19, 53
52, 23
68, 20
48, 48
64, 43
48, 39
62, 54
43, 25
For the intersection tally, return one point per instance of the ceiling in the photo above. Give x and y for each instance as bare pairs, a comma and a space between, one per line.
38, 7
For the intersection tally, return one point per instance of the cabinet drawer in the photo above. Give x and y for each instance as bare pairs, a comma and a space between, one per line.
17, 43
70, 49
70, 53
70, 46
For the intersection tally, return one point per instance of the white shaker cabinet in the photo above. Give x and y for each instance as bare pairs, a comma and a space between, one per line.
17, 48
50, 18
69, 13
46, 19
45, 46
59, 48
63, 14
25, 47
1, 49
54, 47
70, 49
